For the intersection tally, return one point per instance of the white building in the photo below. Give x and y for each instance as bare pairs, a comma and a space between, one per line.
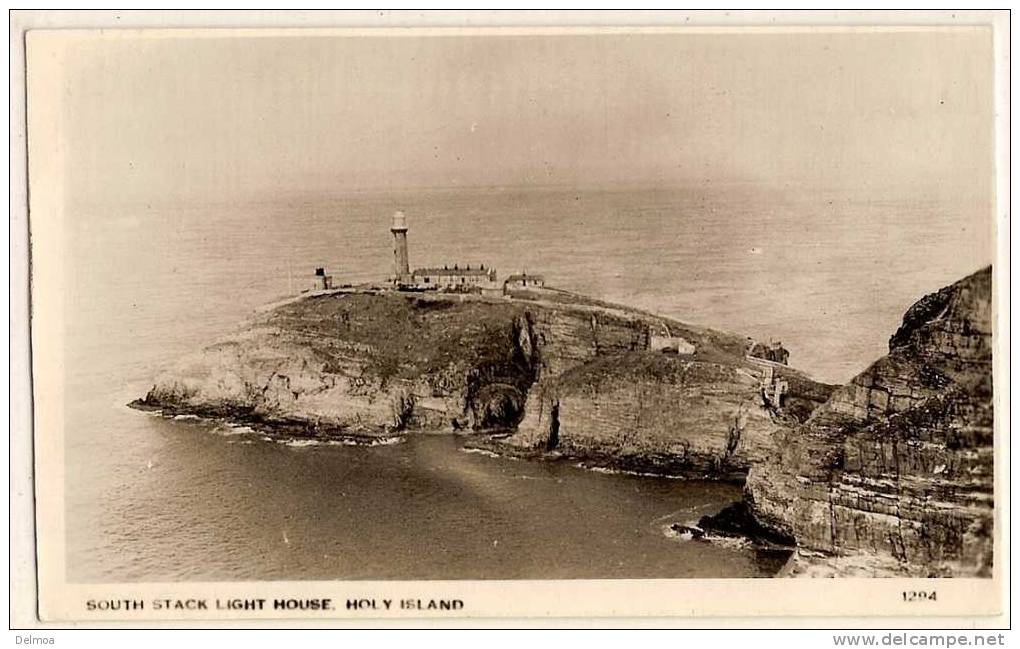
454, 278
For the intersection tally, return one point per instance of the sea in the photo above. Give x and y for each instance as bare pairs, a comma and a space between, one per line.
155, 499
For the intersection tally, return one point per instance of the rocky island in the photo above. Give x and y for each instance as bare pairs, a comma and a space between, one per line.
547, 371
890, 474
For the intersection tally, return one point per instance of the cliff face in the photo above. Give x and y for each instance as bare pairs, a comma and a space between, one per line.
577, 378
647, 410
367, 362
897, 464
364, 363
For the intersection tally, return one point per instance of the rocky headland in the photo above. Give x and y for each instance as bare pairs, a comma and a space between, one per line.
549, 373
895, 465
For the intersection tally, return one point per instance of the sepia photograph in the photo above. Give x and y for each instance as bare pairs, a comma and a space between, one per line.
341, 322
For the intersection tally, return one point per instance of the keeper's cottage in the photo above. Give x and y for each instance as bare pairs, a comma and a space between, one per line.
456, 277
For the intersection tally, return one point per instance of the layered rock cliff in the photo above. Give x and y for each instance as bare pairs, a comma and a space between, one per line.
377, 363
894, 473
569, 375
702, 414
363, 363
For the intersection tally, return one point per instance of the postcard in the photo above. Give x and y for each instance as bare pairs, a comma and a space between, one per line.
359, 323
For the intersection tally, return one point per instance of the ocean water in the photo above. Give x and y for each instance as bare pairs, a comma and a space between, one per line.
156, 499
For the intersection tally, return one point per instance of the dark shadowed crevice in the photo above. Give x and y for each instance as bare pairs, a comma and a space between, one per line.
554, 428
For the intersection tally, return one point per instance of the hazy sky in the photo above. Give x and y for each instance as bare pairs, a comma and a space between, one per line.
199, 119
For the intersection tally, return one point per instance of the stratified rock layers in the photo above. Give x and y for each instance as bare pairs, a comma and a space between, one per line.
898, 463
577, 378
658, 412
394, 361
364, 363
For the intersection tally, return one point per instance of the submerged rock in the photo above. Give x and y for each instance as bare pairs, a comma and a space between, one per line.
688, 531
738, 520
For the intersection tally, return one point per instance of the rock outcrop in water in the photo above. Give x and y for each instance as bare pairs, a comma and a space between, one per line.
893, 474
569, 375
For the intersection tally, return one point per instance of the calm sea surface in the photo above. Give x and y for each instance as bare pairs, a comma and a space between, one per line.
155, 499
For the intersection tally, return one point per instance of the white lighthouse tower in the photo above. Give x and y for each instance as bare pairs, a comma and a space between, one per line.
401, 267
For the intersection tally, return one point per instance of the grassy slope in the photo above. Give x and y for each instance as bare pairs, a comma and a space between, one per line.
410, 335
406, 336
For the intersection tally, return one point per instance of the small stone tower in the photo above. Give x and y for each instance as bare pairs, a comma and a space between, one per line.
401, 268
